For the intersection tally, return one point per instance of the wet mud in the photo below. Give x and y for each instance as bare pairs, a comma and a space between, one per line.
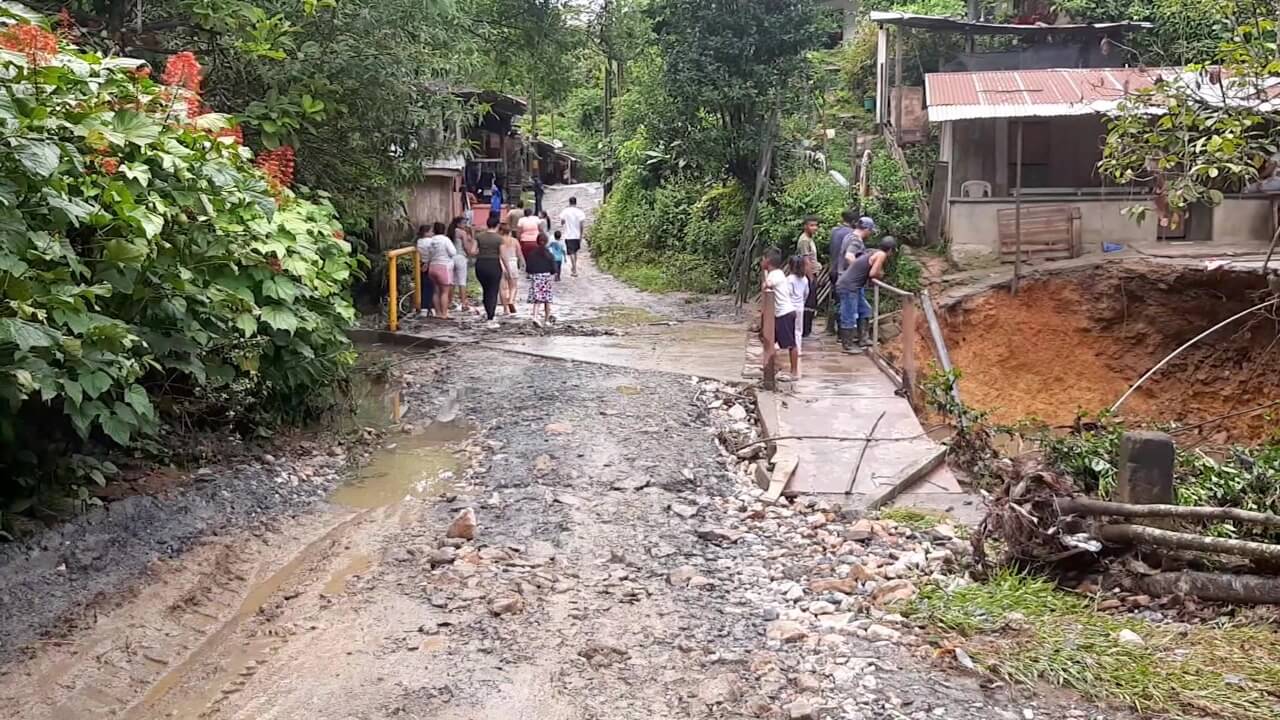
1076, 342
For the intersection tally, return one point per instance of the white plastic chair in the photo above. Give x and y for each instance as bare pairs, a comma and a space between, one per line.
975, 188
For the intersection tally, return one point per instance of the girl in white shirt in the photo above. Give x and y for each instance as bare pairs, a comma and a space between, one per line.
798, 283
436, 252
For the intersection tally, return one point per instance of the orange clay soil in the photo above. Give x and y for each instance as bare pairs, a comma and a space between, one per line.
1076, 342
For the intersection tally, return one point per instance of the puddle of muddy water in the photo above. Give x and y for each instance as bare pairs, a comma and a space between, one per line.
417, 465
337, 583
625, 316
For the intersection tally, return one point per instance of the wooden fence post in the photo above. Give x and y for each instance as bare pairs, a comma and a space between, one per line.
769, 370
909, 371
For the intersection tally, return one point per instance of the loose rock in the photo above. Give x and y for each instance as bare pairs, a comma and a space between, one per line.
463, 526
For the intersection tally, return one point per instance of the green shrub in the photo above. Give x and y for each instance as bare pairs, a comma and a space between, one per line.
715, 223
148, 272
806, 192
892, 205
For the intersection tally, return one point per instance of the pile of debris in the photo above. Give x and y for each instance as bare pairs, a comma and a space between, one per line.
1142, 542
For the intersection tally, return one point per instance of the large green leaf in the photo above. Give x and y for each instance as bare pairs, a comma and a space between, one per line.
247, 323
280, 318
150, 222
94, 383
75, 210
124, 252
39, 158
131, 126
117, 428
26, 335
280, 288
138, 399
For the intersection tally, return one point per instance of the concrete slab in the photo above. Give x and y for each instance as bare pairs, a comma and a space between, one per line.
842, 396
706, 350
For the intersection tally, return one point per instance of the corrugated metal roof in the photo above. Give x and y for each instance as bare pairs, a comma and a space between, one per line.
1032, 93
946, 24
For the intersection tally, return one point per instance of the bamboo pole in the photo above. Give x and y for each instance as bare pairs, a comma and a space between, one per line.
1188, 344
1017, 215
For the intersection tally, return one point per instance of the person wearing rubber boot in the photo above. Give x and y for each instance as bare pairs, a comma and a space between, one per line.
852, 286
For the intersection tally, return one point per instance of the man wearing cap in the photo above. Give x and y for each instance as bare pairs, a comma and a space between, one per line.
852, 290
835, 250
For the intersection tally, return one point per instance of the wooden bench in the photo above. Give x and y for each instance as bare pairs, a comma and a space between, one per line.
1049, 232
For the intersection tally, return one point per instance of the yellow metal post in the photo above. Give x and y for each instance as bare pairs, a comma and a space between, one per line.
417, 281
393, 299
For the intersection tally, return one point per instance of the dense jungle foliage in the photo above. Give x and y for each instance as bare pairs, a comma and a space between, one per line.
151, 274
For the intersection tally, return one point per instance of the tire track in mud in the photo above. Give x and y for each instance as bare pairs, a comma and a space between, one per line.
188, 621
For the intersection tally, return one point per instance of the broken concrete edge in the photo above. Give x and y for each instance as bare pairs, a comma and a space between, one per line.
405, 341
784, 468
907, 477
767, 411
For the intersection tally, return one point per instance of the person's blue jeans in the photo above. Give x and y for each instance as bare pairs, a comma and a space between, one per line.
853, 306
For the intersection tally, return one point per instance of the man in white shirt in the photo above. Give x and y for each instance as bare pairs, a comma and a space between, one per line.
784, 314
572, 221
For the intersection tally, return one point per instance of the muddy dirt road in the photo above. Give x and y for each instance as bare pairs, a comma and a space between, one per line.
619, 568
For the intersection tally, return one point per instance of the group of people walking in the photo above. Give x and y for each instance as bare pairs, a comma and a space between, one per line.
854, 265
522, 243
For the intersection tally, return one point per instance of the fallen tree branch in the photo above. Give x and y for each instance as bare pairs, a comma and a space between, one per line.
850, 438
1215, 587
1142, 535
853, 476
1228, 416
1090, 506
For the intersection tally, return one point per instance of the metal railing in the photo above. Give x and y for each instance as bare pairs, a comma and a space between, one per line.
393, 295
907, 376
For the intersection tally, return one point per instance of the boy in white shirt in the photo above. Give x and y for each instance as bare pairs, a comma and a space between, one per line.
572, 222
784, 314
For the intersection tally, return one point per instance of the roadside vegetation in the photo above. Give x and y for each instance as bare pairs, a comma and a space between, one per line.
190, 195
1025, 630
153, 276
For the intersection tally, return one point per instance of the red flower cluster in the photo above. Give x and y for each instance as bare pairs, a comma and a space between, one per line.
236, 133
183, 70
278, 164
339, 235
38, 44
109, 165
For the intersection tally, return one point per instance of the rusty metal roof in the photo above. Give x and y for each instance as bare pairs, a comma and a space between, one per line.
1055, 92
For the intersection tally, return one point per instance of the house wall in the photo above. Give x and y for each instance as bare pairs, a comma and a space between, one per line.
1056, 152
435, 199
1239, 224
1244, 220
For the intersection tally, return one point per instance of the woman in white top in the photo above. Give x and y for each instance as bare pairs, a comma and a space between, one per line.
437, 254
464, 246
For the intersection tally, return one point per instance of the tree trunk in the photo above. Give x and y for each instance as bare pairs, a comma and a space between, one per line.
1215, 587
1140, 535
1090, 506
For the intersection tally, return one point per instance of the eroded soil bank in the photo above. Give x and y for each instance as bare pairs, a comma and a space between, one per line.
1076, 342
